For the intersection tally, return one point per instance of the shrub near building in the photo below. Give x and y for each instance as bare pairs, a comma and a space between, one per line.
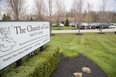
66, 23
41, 65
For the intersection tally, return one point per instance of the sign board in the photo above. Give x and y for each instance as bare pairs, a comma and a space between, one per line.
19, 38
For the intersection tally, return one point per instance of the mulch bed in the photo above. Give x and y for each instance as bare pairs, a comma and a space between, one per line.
68, 66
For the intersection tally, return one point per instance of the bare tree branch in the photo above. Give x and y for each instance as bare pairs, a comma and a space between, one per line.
39, 8
60, 10
102, 15
15, 7
0, 10
78, 5
50, 6
89, 7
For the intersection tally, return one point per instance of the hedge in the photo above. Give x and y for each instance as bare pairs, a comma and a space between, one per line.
40, 65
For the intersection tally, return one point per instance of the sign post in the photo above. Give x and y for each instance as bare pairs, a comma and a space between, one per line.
19, 38
41, 48
19, 62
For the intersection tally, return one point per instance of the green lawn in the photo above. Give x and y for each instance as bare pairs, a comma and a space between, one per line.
101, 49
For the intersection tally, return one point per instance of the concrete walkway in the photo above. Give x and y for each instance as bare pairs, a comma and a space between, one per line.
83, 31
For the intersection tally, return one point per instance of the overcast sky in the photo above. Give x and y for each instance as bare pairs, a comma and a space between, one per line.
111, 5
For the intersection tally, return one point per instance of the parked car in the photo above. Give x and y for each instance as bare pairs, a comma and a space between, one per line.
102, 26
92, 26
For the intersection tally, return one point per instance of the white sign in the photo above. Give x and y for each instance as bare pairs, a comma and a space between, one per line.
19, 38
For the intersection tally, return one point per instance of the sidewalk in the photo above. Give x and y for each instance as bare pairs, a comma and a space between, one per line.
83, 31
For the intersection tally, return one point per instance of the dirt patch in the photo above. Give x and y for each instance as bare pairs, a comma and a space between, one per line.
68, 66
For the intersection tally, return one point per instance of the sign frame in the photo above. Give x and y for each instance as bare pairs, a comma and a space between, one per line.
35, 31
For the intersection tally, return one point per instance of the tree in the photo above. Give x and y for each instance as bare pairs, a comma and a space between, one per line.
109, 18
31, 18
74, 11
50, 5
15, 7
114, 17
66, 23
89, 7
6, 17
39, 9
102, 15
0, 9
60, 9
78, 5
